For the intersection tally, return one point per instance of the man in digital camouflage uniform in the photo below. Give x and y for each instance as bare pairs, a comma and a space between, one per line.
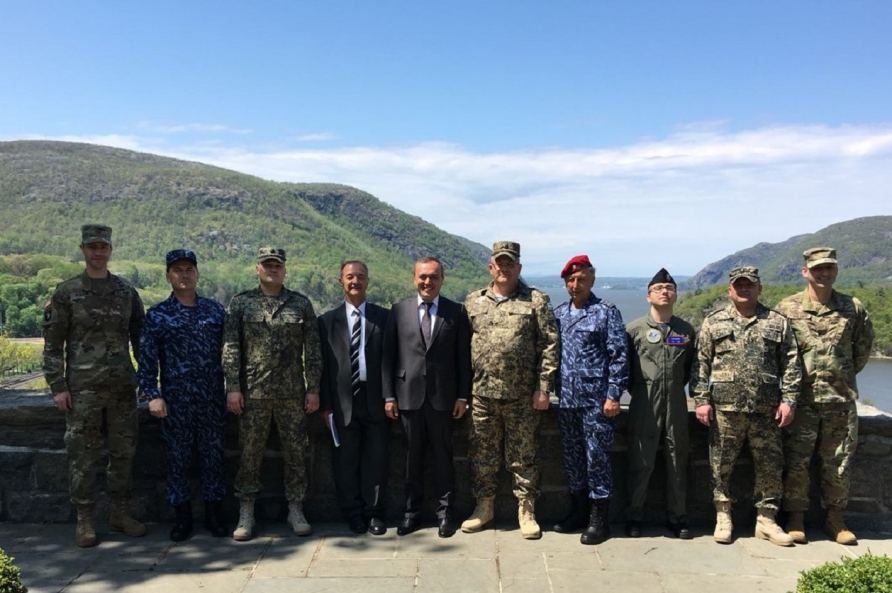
745, 383
835, 337
594, 373
90, 323
183, 335
514, 353
662, 353
272, 365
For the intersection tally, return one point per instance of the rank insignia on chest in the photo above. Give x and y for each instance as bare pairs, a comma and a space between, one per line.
675, 340
653, 336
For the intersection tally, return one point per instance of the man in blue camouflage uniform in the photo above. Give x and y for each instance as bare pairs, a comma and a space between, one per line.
90, 323
593, 374
272, 365
184, 335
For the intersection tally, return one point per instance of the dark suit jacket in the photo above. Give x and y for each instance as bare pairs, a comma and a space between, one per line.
336, 389
440, 373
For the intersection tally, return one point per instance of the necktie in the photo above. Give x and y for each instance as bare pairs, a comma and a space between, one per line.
355, 335
426, 325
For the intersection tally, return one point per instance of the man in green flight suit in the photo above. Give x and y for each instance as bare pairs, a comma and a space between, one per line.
272, 365
661, 348
835, 337
90, 323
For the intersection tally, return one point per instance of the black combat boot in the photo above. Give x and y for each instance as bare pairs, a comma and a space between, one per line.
182, 528
213, 518
597, 530
578, 516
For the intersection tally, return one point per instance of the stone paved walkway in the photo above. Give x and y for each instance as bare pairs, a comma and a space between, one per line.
333, 559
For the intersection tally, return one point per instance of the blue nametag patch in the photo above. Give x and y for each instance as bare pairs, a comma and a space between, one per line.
675, 340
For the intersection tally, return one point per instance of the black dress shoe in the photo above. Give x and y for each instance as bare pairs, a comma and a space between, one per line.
680, 529
358, 524
633, 528
377, 526
407, 526
446, 528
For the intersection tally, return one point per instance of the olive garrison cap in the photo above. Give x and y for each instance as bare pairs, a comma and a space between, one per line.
819, 255
96, 233
508, 248
180, 254
751, 273
265, 253
662, 277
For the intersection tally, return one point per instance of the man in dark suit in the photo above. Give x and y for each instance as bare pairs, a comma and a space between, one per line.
350, 394
427, 378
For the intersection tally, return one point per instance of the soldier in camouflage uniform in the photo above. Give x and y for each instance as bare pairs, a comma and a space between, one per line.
594, 373
90, 323
745, 383
272, 365
662, 354
835, 337
514, 353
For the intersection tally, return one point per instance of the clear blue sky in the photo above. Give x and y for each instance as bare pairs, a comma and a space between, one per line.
631, 131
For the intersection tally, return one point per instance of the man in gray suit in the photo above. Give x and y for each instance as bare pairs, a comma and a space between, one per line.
351, 336
427, 381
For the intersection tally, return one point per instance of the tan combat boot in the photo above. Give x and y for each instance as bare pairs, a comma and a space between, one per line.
723, 525
836, 528
244, 531
296, 519
796, 527
85, 532
767, 528
481, 517
120, 521
526, 516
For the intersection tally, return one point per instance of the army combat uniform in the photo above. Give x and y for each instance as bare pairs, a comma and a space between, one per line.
661, 361
514, 352
835, 342
745, 368
89, 326
271, 355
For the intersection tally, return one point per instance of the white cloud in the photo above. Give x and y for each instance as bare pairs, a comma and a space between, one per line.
679, 202
316, 137
191, 127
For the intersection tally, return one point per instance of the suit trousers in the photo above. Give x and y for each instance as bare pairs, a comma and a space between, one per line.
361, 463
428, 429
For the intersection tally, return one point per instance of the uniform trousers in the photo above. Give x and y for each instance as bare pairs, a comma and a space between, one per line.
832, 429
187, 422
90, 412
510, 426
645, 437
254, 428
586, 438
727, 434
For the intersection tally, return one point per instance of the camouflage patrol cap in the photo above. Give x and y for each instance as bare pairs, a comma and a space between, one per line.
508, 248
265, 253
96, 233
180, 254
751, 273
819, 255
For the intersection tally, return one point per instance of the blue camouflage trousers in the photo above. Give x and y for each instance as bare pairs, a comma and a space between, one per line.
185, 423
91, 412
586, 436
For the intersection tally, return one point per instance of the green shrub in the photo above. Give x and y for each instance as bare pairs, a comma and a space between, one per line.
867, 574
10, 579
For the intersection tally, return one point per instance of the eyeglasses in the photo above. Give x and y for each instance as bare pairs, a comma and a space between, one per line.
670, 288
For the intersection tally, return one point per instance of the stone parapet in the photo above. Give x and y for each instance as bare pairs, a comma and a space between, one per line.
34, 472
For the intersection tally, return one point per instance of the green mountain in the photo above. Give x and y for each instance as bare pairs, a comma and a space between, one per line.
864, 246
154, 204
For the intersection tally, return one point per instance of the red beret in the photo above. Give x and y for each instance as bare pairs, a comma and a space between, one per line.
579, 262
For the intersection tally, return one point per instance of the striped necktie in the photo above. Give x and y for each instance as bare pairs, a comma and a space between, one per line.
355, 340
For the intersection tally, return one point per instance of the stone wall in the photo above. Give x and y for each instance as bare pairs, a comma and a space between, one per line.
34, 480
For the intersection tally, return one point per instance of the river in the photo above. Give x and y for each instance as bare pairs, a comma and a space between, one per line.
874, 382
